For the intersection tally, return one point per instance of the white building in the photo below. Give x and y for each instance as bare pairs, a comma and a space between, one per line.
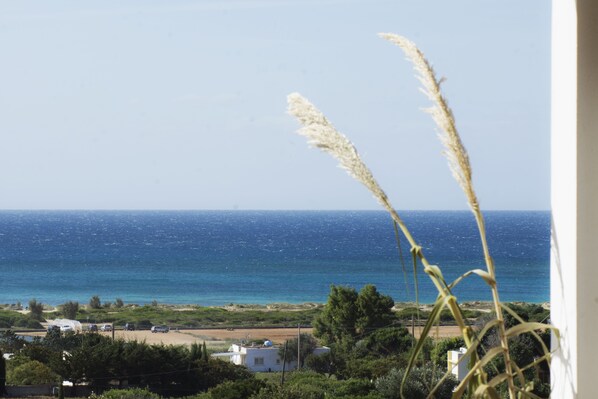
458, 363
261, 357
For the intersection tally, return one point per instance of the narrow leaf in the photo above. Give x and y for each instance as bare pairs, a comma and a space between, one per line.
491, 354
526, 327
434, 314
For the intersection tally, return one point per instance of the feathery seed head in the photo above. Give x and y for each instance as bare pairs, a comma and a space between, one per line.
322, 134
443, 117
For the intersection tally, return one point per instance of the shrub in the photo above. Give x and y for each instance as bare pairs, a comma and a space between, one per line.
36, 310
133, 393
29, 323
237, 389
70, 309
95, 302
31, 372
438, 354
419, 384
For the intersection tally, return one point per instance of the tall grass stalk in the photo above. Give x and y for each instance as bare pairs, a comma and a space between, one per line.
321, 134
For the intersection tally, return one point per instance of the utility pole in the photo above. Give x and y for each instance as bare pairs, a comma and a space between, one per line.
298, 346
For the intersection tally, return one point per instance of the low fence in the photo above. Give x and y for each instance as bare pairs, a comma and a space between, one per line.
18, 391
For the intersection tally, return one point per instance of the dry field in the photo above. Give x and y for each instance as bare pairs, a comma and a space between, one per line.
215, 336
219, 337
211, 336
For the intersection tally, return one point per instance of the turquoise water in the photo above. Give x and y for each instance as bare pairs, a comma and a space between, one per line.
219, 257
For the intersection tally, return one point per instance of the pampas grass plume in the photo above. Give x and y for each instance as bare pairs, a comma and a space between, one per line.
455, 152
320, 133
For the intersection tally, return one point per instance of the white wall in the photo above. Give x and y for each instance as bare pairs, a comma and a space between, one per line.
574, 196
269, 354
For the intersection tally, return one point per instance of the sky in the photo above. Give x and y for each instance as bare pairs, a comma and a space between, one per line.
182, 104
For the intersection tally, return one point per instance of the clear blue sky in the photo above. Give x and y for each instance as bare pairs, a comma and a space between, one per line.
182, 104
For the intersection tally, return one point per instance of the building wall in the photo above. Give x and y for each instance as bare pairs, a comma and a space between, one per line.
574, 197
268, 358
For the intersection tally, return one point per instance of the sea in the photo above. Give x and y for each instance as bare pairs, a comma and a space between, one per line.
260, 257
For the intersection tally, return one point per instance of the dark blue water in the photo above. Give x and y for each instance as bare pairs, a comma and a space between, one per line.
215, 258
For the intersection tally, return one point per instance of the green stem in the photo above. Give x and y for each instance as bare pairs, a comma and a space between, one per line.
453, 306
504, 341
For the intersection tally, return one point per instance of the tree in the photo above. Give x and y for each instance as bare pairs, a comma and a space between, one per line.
11, 342
195, 354
36, 310
387, 342
118, 303
95, 302
70, 309
308, 344
2, 374
204, 354
348, 314
339, 317
375, 309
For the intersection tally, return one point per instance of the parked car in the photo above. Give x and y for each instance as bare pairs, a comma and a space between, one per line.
92, 327
66, 328
106, 327
161, 329
129, 327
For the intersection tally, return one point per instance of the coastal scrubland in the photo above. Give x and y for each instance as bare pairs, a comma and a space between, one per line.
240, 315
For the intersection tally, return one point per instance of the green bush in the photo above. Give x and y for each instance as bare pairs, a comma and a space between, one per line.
237, 389
411, 312
308, 385
95, 302
28, 323
132, 393
439, 352
36, 310
419, 384
30, 372
387, 341
11, 318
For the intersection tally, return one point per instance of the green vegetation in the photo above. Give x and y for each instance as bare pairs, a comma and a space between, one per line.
95, 303
70, 309
418, 385
290, 349
36, 310
10, 319
197, 316
2, 374
132, 393
100, 362
310, 385
349, 315
252, 316
23, 371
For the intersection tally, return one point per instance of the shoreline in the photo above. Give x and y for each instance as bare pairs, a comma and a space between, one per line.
269, 307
